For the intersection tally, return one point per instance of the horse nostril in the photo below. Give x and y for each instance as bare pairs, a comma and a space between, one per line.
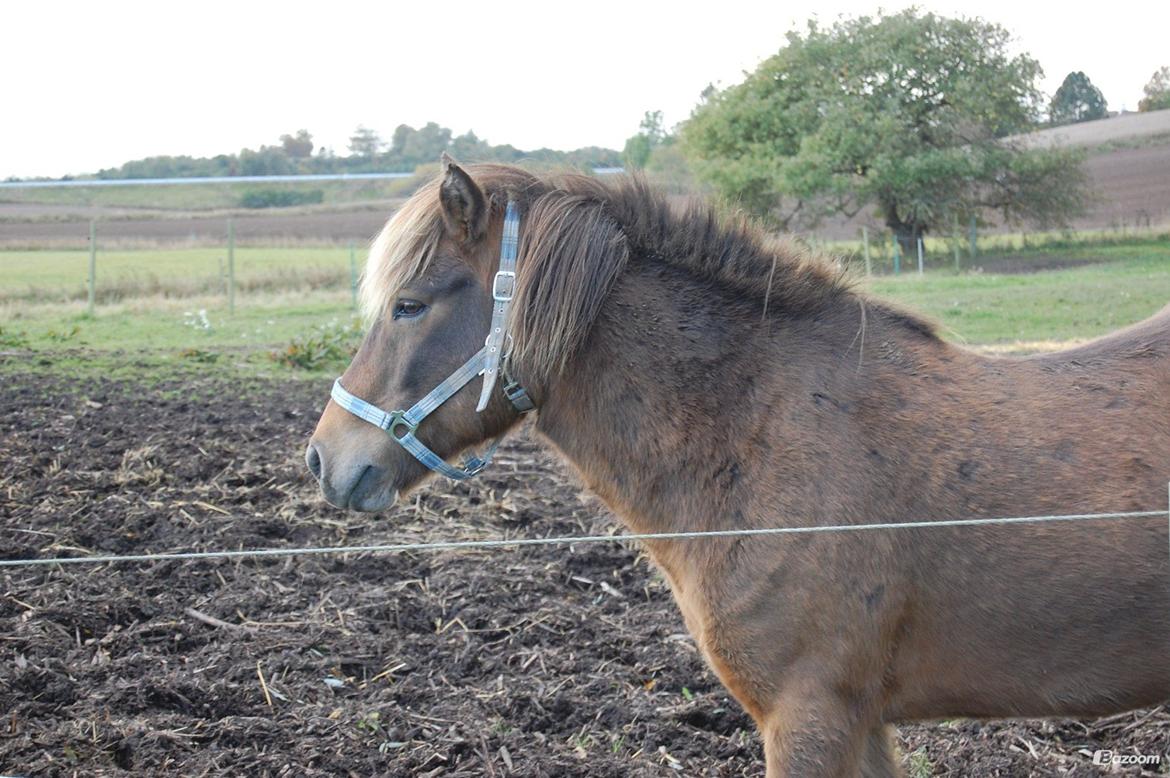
313, 460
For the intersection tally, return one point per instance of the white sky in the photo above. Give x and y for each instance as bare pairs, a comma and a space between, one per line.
94, 84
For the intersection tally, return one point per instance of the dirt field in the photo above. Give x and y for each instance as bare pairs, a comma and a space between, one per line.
542, 662
25, 226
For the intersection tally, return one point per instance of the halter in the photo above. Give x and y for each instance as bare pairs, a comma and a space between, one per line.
489, 361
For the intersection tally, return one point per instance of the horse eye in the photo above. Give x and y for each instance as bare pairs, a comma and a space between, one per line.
408, 309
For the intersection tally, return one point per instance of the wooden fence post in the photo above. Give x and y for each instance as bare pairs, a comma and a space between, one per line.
92, 266
231, 266
865, 241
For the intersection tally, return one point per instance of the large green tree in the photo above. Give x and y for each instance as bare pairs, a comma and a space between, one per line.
1077, 100
908, 112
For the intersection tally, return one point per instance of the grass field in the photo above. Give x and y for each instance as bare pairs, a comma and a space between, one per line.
169, 307
1076, 303
61, 275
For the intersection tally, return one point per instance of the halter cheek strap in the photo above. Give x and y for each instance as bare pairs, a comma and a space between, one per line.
503, 289
489, 360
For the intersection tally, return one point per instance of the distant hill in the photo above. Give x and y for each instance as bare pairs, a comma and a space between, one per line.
1124, 127
1128, 167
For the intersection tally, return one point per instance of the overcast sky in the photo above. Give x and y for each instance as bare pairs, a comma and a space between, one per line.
91, 85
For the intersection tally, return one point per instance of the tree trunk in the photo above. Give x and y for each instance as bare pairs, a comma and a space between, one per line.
906, 233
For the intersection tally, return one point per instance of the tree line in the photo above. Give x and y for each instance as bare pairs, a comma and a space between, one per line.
406, 150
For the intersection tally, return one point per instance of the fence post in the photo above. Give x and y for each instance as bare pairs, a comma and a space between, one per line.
897, 254
92, 266
919, 255
865, 242
353, 277
974, 238
231, 266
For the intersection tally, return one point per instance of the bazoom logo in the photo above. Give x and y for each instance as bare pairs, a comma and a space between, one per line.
1105, 757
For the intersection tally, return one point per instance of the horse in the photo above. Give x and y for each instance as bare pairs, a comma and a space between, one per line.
701, 374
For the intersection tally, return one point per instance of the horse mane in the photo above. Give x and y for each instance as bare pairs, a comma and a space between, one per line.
579, 232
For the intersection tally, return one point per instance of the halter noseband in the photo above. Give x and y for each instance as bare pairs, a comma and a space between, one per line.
489, 361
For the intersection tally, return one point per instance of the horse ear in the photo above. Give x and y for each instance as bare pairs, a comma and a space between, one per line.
465, 208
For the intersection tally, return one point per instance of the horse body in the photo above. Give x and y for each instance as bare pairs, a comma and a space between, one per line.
815, 422
688, 405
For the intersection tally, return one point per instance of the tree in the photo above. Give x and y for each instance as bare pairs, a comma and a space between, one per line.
908, 113
638, 147
299, 146
268, 161
365, 142
469, 148
425, 144
1077, 100
410, 147
1157, 91
398, 140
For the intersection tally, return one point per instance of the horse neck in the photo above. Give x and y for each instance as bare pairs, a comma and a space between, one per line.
665, 406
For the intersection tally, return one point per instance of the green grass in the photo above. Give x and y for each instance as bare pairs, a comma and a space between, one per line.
61, 275
259, 322
152, 338
1071, 304
159, 334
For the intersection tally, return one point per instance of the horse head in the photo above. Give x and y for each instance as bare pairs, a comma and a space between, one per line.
431, 291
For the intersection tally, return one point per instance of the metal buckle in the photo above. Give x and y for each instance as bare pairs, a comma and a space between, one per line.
518, 396
506, 295
398, 419
473, 465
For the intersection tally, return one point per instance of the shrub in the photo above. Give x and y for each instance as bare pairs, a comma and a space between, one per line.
331, 347
280, 198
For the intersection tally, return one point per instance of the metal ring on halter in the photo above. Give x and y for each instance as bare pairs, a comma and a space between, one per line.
505, 351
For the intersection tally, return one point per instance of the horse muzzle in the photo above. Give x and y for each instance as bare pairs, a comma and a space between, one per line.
357, 485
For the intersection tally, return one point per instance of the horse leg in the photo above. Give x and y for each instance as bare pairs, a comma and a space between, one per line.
821, 736
880, 759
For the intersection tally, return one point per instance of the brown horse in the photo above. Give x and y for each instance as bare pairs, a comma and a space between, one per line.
701, 375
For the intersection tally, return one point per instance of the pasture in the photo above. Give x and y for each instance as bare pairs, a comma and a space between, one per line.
141, 429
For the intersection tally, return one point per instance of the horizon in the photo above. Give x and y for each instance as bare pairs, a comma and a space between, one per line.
98, 107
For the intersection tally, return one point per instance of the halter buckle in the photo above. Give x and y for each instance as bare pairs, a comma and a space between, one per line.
473, 466
509, 278
518, 396
398, 419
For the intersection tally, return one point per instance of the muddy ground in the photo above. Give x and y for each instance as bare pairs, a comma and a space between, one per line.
538, 662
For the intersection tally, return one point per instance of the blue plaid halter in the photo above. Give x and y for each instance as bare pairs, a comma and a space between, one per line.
489, 361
